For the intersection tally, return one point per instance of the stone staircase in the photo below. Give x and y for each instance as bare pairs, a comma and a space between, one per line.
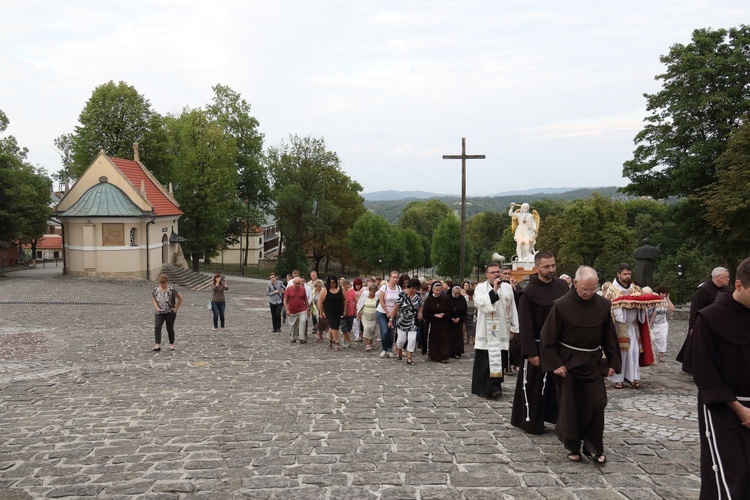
181, 276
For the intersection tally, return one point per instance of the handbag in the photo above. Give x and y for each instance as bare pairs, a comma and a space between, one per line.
208, 306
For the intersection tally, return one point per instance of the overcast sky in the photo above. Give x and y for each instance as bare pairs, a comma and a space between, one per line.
551, 92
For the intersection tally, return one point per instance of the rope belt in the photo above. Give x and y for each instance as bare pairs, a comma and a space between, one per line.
581, 348
742, 398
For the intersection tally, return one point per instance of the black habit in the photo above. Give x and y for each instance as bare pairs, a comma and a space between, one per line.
704, 295
438, 345
586, 327
721, 370
458, 307
538, 402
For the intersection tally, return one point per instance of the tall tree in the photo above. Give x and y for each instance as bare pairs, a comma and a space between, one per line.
726, 201
375, 243
114, 117
24, 193
413, 249
205, 181
341, 197
316, 203
424, 217
446, 248
705, 95
592, 232
232, 112
484, 231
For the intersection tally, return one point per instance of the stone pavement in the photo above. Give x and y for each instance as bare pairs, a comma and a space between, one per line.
87, 410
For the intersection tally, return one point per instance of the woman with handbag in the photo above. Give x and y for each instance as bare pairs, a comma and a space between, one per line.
407, 311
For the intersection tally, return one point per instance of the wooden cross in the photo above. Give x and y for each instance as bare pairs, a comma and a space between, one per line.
463, 157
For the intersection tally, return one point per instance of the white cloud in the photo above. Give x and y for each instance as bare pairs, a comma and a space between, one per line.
550, 87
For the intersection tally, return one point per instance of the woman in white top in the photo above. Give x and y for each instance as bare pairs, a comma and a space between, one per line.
658, 321
387, 296
367, 313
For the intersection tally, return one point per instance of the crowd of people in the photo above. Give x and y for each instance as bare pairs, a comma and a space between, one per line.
404, 313
565, 337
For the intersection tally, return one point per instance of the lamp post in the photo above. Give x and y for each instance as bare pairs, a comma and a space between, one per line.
380, 261
680, 277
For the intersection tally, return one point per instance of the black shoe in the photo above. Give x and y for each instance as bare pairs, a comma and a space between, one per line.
496, 395
156, 349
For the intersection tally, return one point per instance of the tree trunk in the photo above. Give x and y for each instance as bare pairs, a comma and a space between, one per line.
195, 258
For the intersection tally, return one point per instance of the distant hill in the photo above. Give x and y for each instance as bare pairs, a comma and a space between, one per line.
391, 209
400, 195
391, 195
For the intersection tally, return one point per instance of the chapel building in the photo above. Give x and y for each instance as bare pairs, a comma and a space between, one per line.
119, 221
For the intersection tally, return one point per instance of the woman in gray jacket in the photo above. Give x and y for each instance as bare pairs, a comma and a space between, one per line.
275, 293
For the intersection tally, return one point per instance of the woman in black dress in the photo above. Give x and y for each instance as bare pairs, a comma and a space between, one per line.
331, 307
436, 313
457, 315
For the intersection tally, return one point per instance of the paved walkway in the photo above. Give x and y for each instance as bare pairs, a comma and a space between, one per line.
87, 410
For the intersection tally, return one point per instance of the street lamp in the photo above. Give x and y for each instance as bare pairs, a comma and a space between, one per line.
680, 276
380, 261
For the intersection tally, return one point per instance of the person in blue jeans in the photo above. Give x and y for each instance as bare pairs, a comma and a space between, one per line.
218, 302
387, 296
166, 301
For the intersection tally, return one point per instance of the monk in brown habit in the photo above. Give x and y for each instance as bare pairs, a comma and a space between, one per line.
721, 370
535, 399
579, 326
704, 295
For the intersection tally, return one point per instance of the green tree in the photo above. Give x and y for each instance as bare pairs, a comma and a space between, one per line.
316, 203
205, 181
113, 119
339, 205
695, 267
374, 242
424, 218
705, 95
413, 249
446, 248
589, 232
232, 112
24, 193
64, 147
484, 231
726, 201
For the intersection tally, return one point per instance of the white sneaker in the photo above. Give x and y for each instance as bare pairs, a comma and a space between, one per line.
383, 354
391, 355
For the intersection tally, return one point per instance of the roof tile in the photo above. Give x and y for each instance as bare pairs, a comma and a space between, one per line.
135, 174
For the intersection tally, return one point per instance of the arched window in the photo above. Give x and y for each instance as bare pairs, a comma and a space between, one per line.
133, 239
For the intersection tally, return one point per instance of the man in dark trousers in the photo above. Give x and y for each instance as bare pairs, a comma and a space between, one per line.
721, 351
579, 326
535, 400
704, 295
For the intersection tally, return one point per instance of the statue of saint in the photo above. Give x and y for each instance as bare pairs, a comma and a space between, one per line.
525, 226
645, 255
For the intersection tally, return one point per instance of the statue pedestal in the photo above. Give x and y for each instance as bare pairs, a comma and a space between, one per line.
522, 269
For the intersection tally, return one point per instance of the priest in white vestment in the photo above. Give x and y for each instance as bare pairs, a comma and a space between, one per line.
496, 319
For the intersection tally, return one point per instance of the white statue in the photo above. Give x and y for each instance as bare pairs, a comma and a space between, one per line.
525, 227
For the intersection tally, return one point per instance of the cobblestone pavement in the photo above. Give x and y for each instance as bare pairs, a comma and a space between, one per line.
87, 410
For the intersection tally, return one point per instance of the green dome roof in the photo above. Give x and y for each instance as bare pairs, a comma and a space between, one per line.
103, 200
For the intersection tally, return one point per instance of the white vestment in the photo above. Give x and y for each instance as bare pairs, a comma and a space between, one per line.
631, 369
494, 323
